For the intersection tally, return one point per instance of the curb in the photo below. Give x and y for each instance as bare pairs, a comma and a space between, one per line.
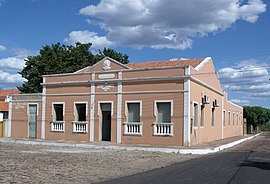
201, 151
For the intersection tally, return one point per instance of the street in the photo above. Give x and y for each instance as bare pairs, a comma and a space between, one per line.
248, 162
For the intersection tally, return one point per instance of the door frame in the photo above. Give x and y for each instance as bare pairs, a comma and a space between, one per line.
28, 104
100, 116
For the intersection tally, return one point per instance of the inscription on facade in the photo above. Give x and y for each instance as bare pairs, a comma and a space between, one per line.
106, 76
105, 87
19, 105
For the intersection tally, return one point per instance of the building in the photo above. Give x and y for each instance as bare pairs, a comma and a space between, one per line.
4, 108
170, 103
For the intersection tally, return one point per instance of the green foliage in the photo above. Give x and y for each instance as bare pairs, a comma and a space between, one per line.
257, 116
113, 54
57, 59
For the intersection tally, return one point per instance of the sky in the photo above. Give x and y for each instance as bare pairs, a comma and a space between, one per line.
235, 33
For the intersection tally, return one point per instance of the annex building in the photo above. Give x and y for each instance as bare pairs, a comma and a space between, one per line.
171, 103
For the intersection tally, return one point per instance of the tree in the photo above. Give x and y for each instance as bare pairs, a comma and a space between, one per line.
256, 116
57, 59
113, 54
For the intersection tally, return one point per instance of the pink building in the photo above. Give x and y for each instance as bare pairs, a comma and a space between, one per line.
159, 103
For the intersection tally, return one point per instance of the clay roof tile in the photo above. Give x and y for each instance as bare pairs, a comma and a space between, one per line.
159, 64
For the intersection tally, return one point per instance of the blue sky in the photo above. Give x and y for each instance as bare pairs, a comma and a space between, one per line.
235, 33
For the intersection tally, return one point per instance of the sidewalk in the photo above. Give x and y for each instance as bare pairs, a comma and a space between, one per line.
205, 148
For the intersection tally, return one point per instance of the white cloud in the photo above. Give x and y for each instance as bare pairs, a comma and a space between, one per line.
7, 78
241, 102
12, 63
2, 47
248, 77
159, 24
98, 42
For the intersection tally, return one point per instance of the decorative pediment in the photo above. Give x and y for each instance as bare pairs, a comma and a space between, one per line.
105, 64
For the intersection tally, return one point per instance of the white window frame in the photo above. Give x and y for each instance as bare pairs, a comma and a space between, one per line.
75, 109
64, 108
194, 102
102, 102
31, 104
54, 121
132, 125
155, 124
162, 101
28, 104
133, 101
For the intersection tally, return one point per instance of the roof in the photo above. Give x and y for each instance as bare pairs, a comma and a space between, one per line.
3, 106
173, 63
4, 93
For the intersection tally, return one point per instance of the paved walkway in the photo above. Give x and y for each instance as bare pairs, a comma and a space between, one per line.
205, 148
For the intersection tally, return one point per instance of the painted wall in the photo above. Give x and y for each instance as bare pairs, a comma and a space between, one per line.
234, 126
19, 123
207, 132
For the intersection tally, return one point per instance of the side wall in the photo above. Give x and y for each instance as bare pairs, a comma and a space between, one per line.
233, 120
205, 130
20, 114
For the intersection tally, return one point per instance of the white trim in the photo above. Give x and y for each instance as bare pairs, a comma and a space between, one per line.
99, 112
118, 80
194, 79
43, 111
105, 58
123, 70
119, 110
133, 101
92, 110
223, 118
55, 103
28, 107
102, 102
234, 104
75, 109
204, 61
186, 136
8, 127
113, 93
161, 101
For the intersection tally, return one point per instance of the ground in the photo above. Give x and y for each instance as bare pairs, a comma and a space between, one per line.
248, 162
21, 163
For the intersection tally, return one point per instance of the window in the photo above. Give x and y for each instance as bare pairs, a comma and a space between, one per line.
58, 112
233, 119
80, 111
213, 116
133, 112
195, 114
163, 112
202, 116
224, 114
229, 118
237, 118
